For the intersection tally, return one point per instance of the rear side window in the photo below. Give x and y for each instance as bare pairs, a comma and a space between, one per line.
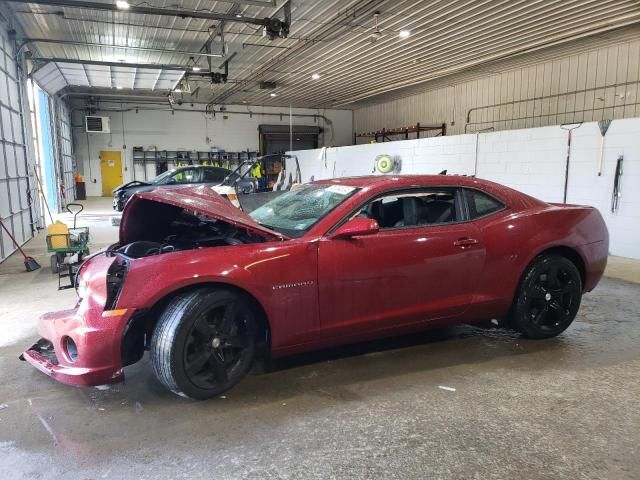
482, 204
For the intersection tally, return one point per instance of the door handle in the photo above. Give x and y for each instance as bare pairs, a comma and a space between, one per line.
465, 242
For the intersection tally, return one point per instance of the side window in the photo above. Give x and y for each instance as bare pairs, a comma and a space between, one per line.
188, 175
481, 204
213, 175
414, 209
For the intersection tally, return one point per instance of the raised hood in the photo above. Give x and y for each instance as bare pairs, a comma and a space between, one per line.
143, 208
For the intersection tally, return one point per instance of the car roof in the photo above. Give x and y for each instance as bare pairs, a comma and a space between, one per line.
182, 167
380, 183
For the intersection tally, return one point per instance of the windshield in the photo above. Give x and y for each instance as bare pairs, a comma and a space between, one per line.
162, 177
296, 211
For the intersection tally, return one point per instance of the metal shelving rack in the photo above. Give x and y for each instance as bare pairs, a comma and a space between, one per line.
167, 159
385, 134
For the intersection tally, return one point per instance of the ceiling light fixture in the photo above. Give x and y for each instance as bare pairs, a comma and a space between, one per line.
273, 94
238, 15
178, 90
315, 76
195, 69
404, 34
118, 87
122, 4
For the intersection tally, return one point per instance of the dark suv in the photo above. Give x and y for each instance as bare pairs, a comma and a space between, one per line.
181, 177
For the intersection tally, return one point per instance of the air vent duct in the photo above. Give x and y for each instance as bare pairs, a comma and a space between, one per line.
95, 124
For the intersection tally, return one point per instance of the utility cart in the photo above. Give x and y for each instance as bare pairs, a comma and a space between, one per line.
68, 246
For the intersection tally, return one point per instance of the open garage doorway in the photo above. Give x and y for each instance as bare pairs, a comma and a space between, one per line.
277, 138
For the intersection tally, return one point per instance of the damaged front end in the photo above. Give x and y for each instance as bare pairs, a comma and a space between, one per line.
165, 221
91, 343
81, 346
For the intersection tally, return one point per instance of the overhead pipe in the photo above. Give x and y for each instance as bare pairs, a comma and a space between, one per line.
166, 12
151, 66
203, 110
28, 41
548, 97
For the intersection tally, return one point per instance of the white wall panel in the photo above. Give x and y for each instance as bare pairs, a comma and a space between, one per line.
189, 131
508, 97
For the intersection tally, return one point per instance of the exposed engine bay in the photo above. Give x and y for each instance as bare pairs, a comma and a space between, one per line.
170, 229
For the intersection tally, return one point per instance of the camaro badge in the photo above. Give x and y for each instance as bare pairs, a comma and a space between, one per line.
308, 283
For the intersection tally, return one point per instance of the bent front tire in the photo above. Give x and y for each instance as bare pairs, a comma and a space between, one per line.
548, 297
204, 342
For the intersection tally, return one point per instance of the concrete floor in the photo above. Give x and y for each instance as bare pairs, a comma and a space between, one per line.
563, 408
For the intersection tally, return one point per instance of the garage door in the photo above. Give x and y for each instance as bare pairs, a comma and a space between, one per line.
14, 182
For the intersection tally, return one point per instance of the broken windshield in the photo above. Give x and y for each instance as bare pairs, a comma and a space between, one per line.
295, 212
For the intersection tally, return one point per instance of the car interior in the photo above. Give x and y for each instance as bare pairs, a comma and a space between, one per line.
412, 210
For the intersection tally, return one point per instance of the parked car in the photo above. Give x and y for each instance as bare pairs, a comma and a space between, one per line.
181, 177
205, 286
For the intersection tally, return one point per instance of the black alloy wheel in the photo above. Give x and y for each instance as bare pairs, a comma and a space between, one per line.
215, 347
549, 297
204, 342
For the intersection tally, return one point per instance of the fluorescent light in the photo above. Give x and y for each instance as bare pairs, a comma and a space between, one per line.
273, 94
404, 33
177, 90
195, 69
118, 87
238, 15
122, 4
315, 76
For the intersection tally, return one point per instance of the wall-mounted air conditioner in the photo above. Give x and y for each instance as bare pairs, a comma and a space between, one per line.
95, 124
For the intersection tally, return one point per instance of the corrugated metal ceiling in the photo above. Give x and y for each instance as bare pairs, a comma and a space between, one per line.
328, 37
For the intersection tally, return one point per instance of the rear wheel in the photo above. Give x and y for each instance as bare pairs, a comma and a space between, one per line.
204, 342
548, 297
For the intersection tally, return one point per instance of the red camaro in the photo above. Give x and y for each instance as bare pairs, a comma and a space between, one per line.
204, 286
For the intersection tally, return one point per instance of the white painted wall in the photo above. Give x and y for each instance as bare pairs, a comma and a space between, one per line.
530, 160
190, 131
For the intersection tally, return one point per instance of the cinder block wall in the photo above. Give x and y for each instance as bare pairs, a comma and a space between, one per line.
530, 160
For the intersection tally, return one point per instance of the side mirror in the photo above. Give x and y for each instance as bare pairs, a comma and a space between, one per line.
357, 227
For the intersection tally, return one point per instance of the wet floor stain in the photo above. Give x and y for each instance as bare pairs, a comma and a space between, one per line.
460, 402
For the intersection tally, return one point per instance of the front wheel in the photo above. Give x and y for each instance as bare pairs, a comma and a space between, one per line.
204, 342
548, 297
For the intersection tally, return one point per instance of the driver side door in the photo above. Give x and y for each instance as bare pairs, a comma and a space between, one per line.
420, 266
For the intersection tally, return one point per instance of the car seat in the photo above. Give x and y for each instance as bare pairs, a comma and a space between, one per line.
412, 212
438, 211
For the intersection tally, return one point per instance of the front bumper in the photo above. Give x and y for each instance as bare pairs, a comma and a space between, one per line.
98, 343
118, 203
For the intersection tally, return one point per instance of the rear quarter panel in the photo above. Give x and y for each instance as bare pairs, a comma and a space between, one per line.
514, 239
580, 228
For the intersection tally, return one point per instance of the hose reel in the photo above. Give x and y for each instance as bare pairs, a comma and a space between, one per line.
385, 164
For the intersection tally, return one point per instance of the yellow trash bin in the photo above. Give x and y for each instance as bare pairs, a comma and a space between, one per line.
58, 234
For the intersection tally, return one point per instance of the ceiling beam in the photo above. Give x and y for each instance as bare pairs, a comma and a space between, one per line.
151, 66
142, 10
27, 41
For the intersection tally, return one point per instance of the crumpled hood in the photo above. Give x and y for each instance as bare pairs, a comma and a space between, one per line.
201, 199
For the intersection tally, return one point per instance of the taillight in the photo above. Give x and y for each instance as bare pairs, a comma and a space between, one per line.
115, 278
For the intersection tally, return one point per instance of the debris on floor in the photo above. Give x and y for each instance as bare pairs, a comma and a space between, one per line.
448, 389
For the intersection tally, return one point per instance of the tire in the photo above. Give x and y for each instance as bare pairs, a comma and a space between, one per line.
54, 263
204, 342
548, 297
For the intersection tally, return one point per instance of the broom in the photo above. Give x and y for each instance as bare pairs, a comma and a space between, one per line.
29, 262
